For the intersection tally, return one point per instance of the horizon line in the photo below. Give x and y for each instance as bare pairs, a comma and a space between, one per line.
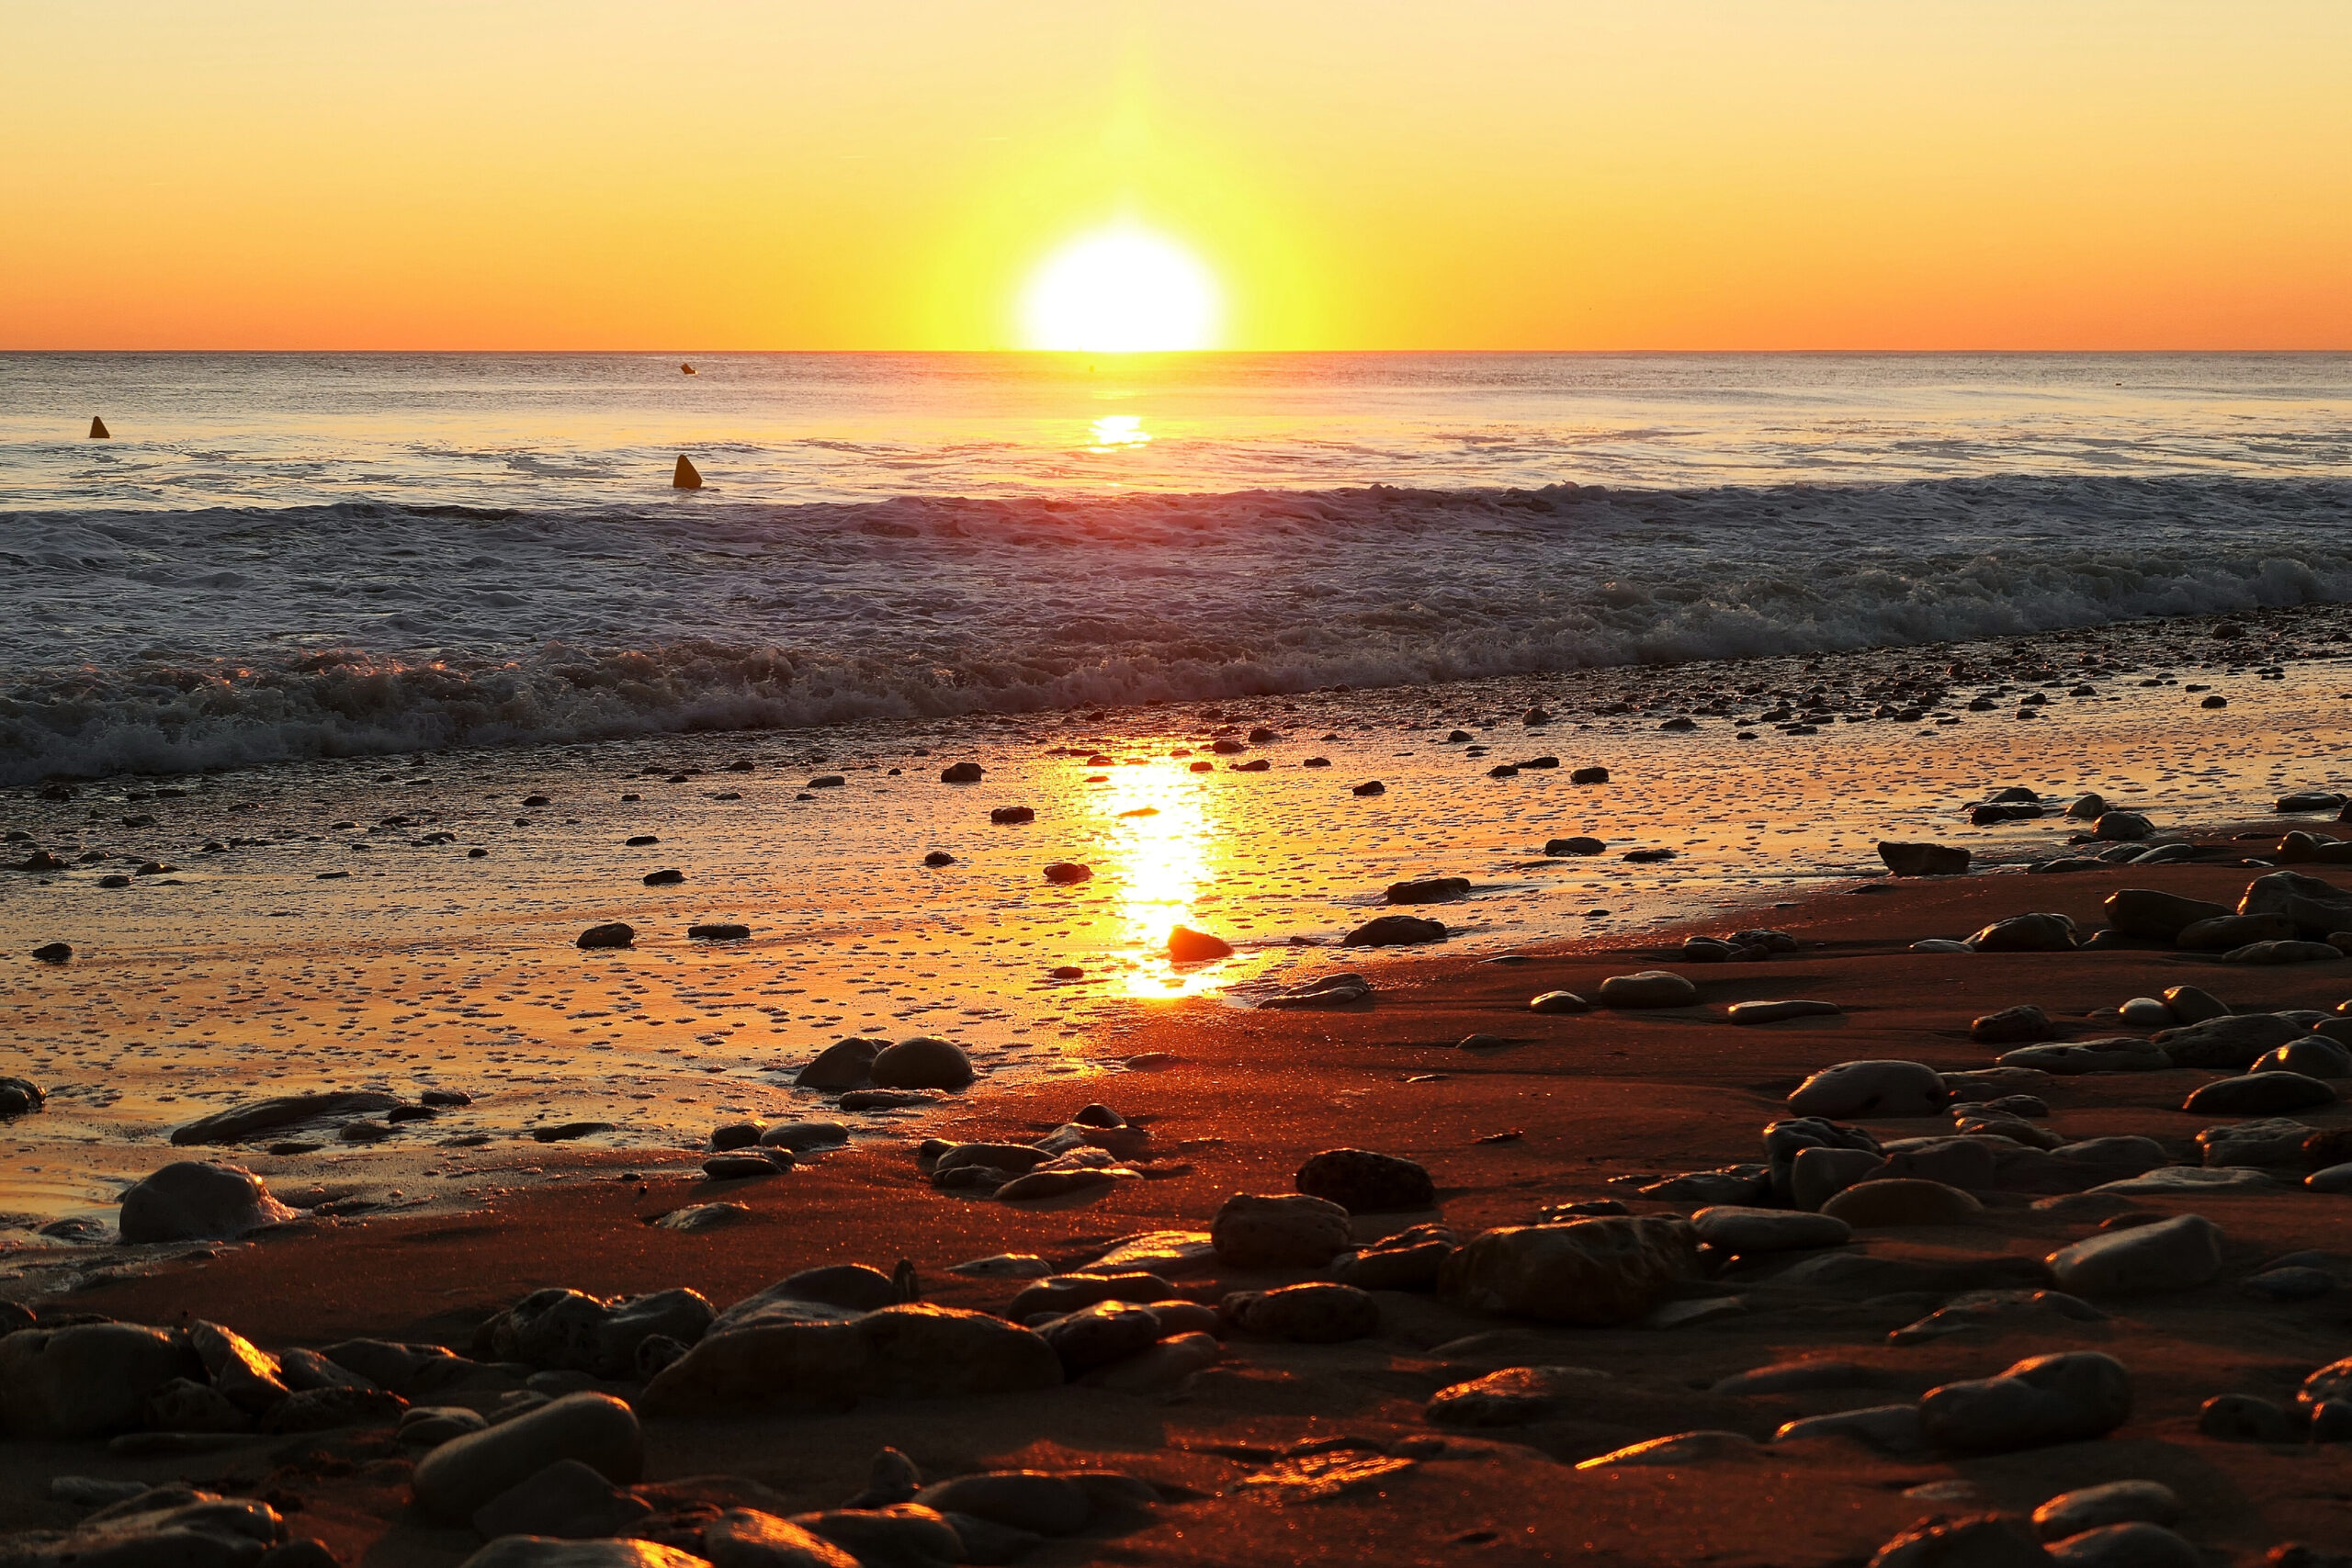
1212, 353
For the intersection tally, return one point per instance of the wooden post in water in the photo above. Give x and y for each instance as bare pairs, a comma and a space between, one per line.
686, 478
98, 431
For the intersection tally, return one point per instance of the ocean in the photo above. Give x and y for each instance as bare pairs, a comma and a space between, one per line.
287, 556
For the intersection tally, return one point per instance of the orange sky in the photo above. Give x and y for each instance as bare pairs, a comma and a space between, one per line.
1452, 174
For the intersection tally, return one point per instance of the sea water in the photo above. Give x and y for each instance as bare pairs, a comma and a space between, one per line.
281, 557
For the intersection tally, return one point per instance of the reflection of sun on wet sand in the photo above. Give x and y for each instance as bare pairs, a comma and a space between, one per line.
634, 1120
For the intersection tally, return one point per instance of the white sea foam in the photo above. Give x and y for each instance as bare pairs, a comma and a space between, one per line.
166, 640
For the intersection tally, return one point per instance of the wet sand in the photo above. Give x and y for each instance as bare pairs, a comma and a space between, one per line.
1569, 1109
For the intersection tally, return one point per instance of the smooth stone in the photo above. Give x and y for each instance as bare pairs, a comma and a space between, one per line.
1902, 1201
1923, 859
544, 1551
1648, 988
2136, 1545
2122, 827
1037, 1501
2146, 1012
566, 1498
1515, 1396
464, 1473
2290, 1284
1279, 1231
1817, 1175
2124, 1054
746, 1538
2186, 1179
2242, 1419
1741, 1231
1559, 1002
910, 1351
1680, 1448
2191, 1004
2315, 906
845, 1063
1004, 1266
1890, 1428
2012, 1026
2177, 1254
2160, 917
86, 1379
1592, 1272
1062, 1293
2313, 1056
1102, 1333
922, 1063
2220, 932
198, 1201
1169, 1254
1428, 890
1941, 944
1871, 1088
1799, 1377
2330, 1179
2284, 952
1317, 1313
1982, 1540
1773, 1013
2114, 1503
2235, 1041
1159, 1367
2062, 1398
902, 1534
1363, 1182
802, 1137
611, 934
241, 1122
2258, 1094
2027, 933
1395, 931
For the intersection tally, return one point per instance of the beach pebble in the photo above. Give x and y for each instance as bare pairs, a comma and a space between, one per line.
1647, 988
1774, 1011
1326, 991
1004, 1266
2191, 1005
198, 1201
1871, 1088
1890, 1428
2330, 1179
1428, 890
1512, 1397
2158, 915
2027, 933
1593, 775
2122, 827
804, 1137
460, 1475
1363, 1182
2258, 1094
2177, 1254
567, 1499
2298, 1283
1317, 1312
1982, 1540
2115, 1503
1037, 1501
908, 1351
1941, 944
1096, 1334
1279, 1231
845, 1063
2146, 1012
1067, 874
53, 953
1188, 946
703, 1217
1680, 1448
2315, 906
2062, 1398
1063, 1293
1874, 1203
1559, 1002
1816, 1175
1579, 845
718, 930
2012, 1026
1592, 1273
1370, 786
2188, 1180
239, 1124
962, 772
2126, 1546
2284, 952
1748, 1231
613, 933
922, 1063
1923, 859
2235, 1041
550, 1551
2226, 931
1394, 931
20, 1097
86, 1379
1409, 1260
2242, 1419
747, 1538
735, 1134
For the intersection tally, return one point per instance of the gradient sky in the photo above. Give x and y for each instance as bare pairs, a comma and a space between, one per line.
1457, 173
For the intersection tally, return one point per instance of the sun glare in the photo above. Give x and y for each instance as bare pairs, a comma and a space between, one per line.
1124, 290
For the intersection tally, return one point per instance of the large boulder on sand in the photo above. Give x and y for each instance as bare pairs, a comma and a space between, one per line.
923, 1063
87, 1380
198, 1201
2146, 912
1593, 1273
1363, 1182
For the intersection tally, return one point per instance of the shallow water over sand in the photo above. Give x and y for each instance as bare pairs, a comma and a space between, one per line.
338, 939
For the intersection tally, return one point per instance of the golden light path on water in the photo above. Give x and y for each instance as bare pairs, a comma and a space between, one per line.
1163, 847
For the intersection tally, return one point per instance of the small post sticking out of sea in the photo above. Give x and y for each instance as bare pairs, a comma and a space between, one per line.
687, 370
98, 431
686, 478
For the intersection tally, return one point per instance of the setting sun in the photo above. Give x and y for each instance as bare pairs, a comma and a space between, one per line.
1124, 290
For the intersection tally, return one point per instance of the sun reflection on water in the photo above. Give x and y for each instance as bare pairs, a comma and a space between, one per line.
1120, 430
1160, 839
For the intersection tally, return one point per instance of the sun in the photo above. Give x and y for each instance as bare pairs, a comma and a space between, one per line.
1119, 291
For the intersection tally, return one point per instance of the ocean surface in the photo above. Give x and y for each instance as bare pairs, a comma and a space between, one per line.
281, 557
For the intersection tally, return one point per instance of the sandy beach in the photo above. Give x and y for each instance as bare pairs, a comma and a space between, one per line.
402, 978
